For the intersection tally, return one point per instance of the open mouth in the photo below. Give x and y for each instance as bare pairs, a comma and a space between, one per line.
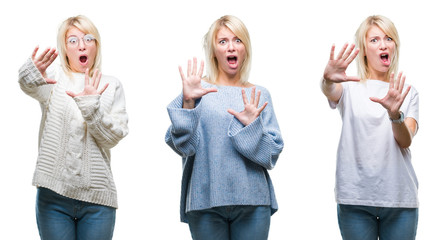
385, 59
232, 60
83, 59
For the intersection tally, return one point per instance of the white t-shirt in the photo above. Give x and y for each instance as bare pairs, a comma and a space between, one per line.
372, 170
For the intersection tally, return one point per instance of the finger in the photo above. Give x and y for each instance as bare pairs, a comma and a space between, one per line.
189, 68
243, 93
34, 52
181, 72
406, 93
348, 52
194, 66
103, 89
210, 90
331, 55
353, 56
71, 94
397, 81
42, 55
258, 96
87, 77
252, 96
401, 83
392, 80
233, 112
263, 106
352, 79
48, 55
50, 81
96, 78
374, 99
340, 54
201, 69
52, 58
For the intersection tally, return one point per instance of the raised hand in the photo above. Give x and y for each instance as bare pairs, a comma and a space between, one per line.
91, 85
394, 98
251, 110
43, 61
191, 84
335, 70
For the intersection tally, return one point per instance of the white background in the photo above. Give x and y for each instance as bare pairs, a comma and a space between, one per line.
143, 44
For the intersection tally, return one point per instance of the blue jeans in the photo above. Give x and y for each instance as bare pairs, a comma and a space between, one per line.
230, 223
62, 218
369, 223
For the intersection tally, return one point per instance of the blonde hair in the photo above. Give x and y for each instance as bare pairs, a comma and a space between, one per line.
86, 26
388, 28
239, 29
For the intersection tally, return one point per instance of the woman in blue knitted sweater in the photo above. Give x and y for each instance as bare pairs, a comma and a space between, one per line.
226, 132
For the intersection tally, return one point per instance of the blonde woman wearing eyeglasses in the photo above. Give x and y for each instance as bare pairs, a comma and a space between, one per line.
83, 117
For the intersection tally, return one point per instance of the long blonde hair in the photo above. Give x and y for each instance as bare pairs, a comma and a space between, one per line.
86, 26
239, 29
388, 28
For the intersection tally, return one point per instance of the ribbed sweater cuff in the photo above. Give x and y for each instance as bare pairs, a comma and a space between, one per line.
253, 131
30, 75
89, 106
181, 118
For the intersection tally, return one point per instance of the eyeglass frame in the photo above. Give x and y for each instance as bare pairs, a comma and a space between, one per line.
87, 40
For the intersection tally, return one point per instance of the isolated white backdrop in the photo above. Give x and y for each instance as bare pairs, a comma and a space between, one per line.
143, 44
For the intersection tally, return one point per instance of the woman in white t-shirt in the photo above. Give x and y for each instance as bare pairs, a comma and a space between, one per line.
376, 186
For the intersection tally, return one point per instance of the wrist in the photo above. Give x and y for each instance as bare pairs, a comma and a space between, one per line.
397, 117
188, 103
326, 80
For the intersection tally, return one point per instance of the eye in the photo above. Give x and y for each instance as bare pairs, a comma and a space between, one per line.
238, 40
222, 42
373, 40
72, 40
389, 39
88, 38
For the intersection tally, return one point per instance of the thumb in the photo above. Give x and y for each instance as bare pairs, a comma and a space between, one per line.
50, 81
71, 94
374, 99
353, 78
233, 112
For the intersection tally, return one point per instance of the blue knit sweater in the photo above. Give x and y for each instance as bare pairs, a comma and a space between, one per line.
224, 162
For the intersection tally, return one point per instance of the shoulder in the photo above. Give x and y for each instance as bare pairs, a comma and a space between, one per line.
264, 91
110, 79
413, 90
206, 84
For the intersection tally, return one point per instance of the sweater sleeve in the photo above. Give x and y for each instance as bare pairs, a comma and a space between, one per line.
107, 125
183, 136
260, 141
32, 82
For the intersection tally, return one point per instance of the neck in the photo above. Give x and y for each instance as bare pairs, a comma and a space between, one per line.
382, 76
230, 80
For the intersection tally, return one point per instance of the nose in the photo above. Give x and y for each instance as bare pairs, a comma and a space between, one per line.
383, 45
81, 44
231, 47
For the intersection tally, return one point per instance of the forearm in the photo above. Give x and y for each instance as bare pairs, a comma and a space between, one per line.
258, 143
331, 90
188, 104
183, 136
32, 82
107, 127
404, 132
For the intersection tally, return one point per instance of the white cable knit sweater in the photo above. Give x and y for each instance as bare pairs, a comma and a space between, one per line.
76, 135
